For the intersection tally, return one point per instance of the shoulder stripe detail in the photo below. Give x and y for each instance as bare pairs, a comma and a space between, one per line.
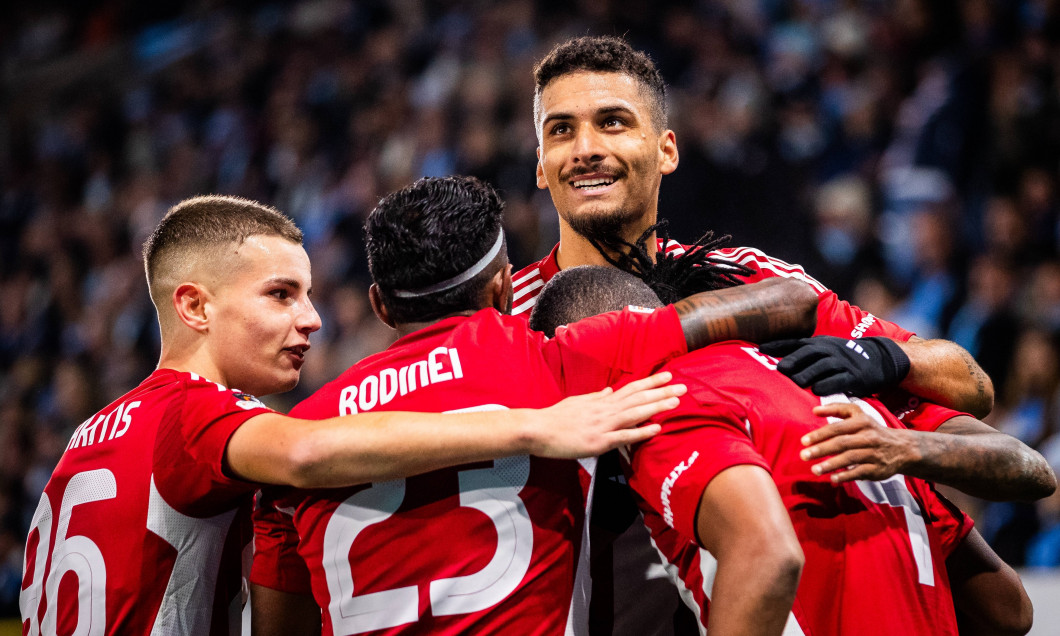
527, 306
750, 255
537, 284
527, 276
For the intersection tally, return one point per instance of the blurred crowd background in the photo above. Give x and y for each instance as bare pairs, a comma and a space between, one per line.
906, 152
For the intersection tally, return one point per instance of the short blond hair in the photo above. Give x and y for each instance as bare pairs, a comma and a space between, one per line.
199, 228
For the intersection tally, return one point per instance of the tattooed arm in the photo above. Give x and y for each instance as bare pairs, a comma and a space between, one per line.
773, 308
944, 373
963, 453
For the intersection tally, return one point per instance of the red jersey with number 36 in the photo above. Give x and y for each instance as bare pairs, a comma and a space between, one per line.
875, 550
139, 531
485, 548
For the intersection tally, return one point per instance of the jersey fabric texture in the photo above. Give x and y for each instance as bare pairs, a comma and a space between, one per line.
875, 551
486, 548
139, 530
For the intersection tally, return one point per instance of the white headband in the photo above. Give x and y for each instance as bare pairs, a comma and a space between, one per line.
460, 278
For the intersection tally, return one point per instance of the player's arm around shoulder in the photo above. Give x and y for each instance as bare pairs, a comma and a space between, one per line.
742, 521
945, 373
963, 453
769, 309
377, 446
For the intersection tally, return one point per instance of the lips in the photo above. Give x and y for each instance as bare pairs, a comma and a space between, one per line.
297, 353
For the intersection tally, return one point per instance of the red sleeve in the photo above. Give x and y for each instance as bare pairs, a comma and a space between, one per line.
277, 564
835, 317
671, 470
951, 523
915, 413
189, 453
839, 318
603, 350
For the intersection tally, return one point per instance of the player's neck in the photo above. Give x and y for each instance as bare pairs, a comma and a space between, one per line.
406, 328
191, 360
575, 249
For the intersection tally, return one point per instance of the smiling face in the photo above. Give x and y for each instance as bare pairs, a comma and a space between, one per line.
600, 156
260, 316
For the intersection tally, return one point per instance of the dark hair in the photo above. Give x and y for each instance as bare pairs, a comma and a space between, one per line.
206, 222
603, 54
428, 232
588, 290
672, 276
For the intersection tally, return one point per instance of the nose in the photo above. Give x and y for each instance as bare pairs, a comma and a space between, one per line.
588, 145
308, 319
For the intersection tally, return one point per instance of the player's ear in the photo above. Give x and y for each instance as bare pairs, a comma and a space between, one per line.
668, 157
541, 183
375, 297
189, 304
500, 290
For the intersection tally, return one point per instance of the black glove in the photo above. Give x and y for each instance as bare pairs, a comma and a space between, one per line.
840, 365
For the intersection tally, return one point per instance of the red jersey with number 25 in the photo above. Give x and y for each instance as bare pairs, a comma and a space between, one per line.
139, 531
485, 548
875, 551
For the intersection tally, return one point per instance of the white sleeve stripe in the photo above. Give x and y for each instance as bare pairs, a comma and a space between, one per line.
537, 284
527, 306
745, 255
527, 276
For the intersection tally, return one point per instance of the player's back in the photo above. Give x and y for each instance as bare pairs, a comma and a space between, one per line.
138, 530
875, 551
491, 547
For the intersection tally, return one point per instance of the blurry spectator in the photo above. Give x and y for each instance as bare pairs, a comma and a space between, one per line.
986, 323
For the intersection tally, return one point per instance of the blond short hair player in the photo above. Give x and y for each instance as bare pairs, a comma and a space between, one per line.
144, 524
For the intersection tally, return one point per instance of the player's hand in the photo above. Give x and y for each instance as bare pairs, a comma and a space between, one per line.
594, 423
840, 365
856, 446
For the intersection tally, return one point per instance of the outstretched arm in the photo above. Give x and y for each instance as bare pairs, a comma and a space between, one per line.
773, 308
742, 521
943, 372
963, 453
276, 449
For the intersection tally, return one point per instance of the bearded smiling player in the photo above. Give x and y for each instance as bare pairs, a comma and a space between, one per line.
604, 147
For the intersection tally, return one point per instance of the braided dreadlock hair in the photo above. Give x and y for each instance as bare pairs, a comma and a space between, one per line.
673, 277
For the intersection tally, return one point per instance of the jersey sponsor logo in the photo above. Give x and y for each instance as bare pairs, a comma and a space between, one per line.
668, 486
380, 388
640, 310
247, 401
117, 421
863, 326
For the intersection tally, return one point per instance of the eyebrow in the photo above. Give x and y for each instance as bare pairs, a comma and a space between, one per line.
606, 110
283, 280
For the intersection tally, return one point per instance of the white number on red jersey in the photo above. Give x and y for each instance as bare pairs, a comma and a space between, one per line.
894, 492
494, 491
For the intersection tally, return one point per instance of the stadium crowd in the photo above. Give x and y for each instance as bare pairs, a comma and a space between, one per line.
906, 153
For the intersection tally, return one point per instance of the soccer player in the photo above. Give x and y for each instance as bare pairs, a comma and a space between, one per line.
603, 149
144, 523
488, 547
876, 552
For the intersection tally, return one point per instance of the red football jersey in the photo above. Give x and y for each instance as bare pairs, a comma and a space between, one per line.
835, 317
139, 531
875, 551
491, 547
